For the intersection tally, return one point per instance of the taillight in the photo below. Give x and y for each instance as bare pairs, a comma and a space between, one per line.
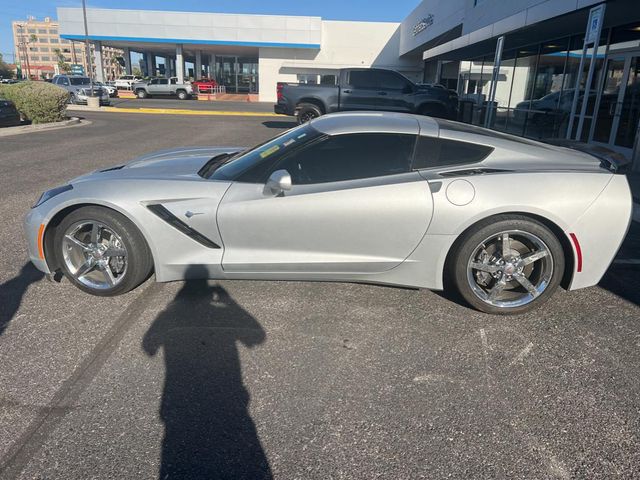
279, 87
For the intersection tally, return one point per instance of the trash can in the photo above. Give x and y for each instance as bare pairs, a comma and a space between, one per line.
465, 111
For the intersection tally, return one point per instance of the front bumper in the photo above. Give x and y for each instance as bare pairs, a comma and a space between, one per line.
82, 99
34, 226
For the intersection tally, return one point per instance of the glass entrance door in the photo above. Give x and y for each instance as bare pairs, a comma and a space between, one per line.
618, 110
237, 74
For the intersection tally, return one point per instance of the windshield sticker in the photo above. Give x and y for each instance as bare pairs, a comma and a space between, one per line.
269, 151
289, 142
302, 136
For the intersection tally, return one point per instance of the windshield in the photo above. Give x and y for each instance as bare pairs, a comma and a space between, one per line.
264, 152
79, 81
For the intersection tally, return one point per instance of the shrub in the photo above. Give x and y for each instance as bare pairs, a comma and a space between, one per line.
39, 102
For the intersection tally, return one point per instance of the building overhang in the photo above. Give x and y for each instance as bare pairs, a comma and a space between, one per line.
524, 29
162, 29
171, 42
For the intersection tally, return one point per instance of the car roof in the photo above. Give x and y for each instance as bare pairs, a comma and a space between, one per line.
380, 122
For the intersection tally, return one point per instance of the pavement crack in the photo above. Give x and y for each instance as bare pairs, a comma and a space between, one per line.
48, 418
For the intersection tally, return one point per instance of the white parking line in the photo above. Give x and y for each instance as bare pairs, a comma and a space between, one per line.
523, 353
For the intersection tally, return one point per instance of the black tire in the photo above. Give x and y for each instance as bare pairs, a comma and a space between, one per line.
182, 95
458, 268
307, 112
141, 93
139, 261
433, 110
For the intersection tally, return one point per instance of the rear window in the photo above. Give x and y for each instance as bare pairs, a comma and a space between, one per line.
441, 152
79, 81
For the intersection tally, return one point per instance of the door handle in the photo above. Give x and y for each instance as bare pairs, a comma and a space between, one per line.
346, 91
382, 93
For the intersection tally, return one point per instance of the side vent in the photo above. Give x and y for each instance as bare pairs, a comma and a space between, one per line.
178, 224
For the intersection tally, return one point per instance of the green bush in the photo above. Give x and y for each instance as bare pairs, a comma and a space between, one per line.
39, 102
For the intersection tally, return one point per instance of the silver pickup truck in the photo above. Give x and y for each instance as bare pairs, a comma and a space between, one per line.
163, 87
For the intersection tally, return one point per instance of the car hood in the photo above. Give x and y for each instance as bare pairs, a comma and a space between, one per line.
178, 163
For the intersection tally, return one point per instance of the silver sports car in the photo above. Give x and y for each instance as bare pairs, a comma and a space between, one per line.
352, 197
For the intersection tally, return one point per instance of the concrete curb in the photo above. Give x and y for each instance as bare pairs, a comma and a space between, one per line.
174, 111
41, 127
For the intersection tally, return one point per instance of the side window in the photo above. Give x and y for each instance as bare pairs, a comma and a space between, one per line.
350, 157
363, 79
174, 81
64, 81
163, 81
391, 81
440, 152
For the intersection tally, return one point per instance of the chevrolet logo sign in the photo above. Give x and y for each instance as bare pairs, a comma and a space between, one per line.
423, 24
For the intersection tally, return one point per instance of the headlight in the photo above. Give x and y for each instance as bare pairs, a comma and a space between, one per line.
52, 193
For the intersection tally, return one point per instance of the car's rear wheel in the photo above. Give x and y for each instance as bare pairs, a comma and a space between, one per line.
307, 112
141, 93
508, 265
101, 251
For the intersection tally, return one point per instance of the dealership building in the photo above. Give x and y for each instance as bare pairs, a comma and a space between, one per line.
245, 53
537, 68
526, 58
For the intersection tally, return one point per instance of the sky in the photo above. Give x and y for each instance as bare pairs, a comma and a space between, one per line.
366, 10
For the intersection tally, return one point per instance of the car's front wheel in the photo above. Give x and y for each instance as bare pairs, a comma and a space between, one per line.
508, 265
182, 95
101, 251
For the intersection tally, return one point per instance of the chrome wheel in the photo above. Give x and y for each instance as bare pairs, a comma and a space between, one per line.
510, 269
94, 254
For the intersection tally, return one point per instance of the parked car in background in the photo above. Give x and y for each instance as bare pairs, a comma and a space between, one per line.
204, 85
163, 87
79, 89
9, 115
365, 89
111, 89
126, 81
8, 80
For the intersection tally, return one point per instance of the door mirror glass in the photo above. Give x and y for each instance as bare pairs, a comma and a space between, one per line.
279, 182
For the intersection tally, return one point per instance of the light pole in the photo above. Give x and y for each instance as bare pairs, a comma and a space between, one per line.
22, 43
86, 46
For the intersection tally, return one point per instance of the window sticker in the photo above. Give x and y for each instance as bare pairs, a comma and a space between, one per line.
289, 142
269, 151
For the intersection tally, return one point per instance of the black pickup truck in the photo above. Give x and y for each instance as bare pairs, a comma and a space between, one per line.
365, 89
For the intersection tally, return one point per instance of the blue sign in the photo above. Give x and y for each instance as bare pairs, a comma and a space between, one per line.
77, 69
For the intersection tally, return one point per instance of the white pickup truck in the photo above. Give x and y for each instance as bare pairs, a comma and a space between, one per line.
126, 81
163, 87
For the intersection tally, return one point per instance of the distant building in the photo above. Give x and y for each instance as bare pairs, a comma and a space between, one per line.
36, 42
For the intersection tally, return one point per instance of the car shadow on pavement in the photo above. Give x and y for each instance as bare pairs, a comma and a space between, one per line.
12, 291
279, 124
623, 276
208, 430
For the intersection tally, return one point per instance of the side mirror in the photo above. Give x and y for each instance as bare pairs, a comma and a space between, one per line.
278, 183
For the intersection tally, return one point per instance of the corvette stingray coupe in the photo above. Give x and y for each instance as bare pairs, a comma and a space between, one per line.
367, 197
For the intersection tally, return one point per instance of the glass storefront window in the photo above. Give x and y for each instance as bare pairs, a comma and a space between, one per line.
237, 74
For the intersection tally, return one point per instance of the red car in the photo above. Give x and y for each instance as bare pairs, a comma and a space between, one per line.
204, 85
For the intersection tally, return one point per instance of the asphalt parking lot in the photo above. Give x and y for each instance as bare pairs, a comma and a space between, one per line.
295, 380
